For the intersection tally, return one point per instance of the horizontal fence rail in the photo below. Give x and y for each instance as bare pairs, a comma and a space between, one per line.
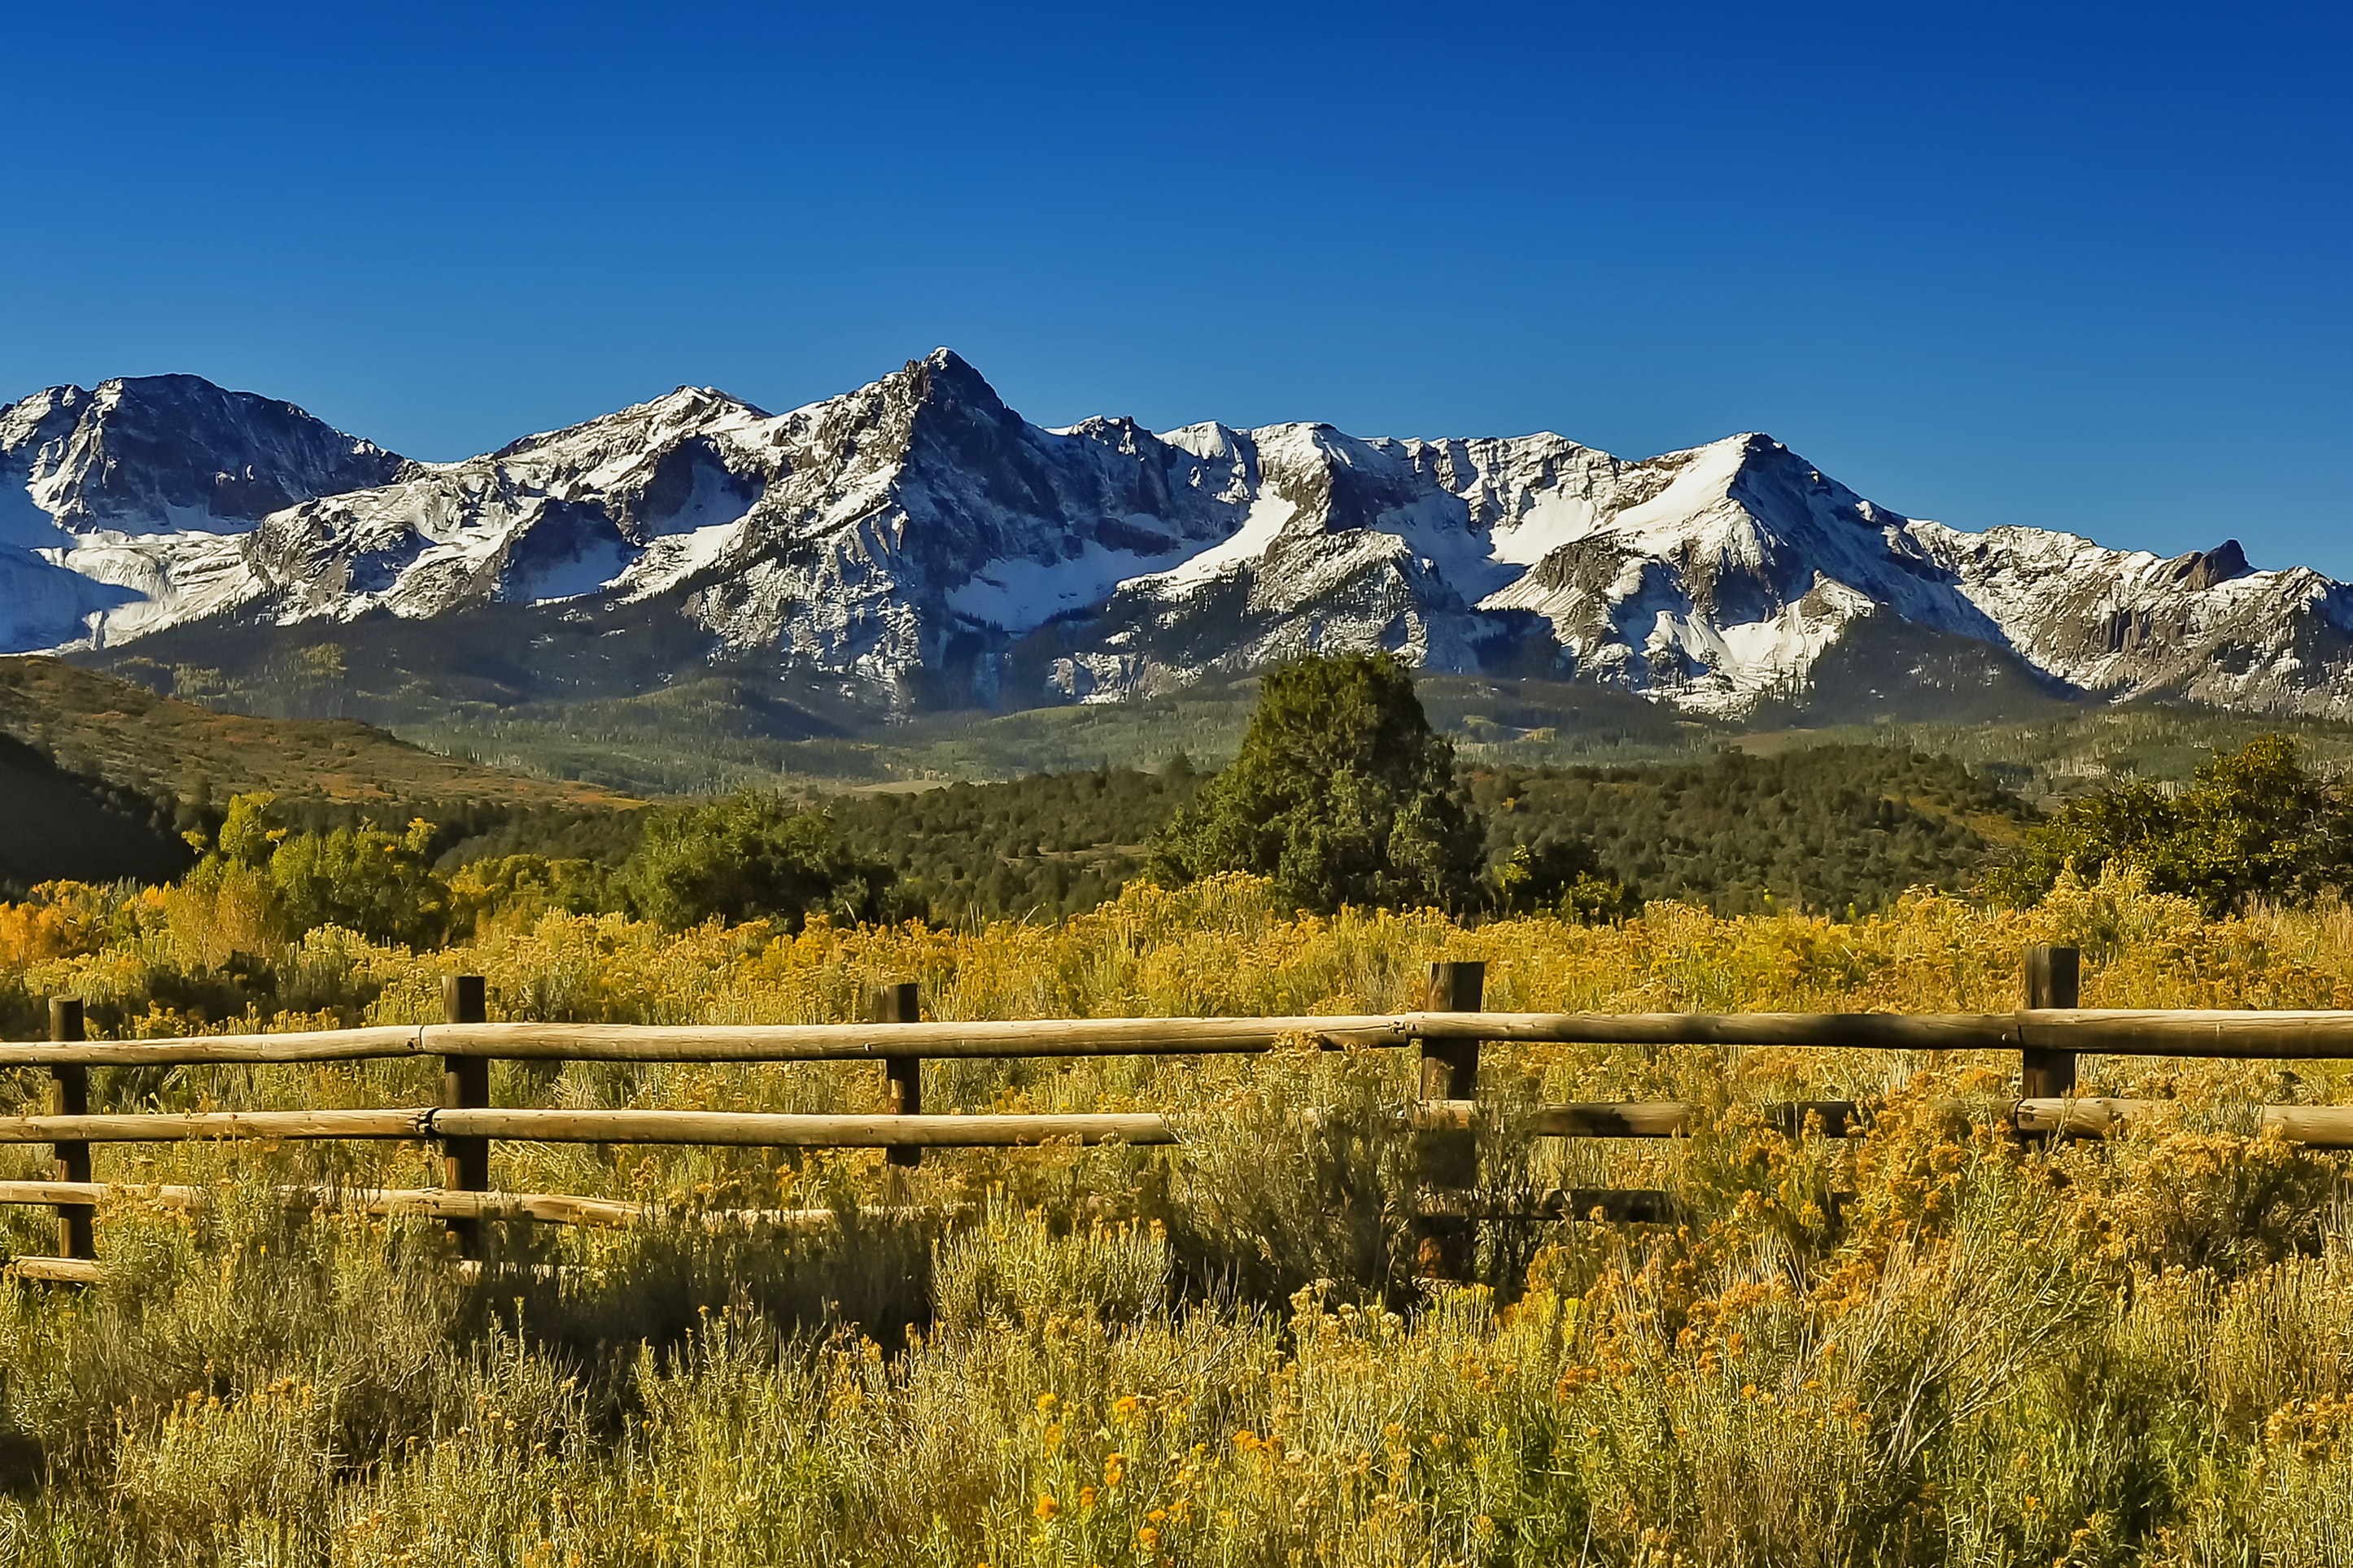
195, 1126
1615, 1118
2246, 1035
442, 1202
2315, 1127
748, 1129
2050, 1034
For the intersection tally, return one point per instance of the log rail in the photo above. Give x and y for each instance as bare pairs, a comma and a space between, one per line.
2049, 1035
760, 1129
2277, 1036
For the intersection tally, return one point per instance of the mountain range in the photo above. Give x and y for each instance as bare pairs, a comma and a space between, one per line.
916, 545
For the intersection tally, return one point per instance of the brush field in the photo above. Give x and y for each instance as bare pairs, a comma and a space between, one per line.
1927, 1344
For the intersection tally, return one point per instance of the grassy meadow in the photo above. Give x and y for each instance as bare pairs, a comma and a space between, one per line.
1927, 1344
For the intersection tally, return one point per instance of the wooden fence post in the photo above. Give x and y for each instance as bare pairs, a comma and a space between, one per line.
1450, 1068
70, 1096
1450, 1159
466, 1085
2053, 979
902, 1075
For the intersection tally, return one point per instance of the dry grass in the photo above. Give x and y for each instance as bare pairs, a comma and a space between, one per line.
1927, 1345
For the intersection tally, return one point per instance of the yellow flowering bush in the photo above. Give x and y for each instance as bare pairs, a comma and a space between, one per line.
1928, 1342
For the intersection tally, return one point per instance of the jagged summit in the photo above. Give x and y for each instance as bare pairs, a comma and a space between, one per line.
917, 541
2207, 568
154, 454
115, 502
946, 373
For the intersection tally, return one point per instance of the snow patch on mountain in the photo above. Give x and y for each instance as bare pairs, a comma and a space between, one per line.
166, 454
1022, 594
918, 539
1261, 526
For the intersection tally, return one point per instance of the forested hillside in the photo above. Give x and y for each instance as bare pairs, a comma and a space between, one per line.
55, 823
1052, 844
106, 775
1825, 827
98, 777
2083, 752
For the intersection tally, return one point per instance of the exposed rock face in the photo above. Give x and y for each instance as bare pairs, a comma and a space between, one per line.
164, 454
918, 541
120, 506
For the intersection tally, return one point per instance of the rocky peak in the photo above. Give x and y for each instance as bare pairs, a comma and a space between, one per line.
917, 535
160, 454
2202, 570
942, 386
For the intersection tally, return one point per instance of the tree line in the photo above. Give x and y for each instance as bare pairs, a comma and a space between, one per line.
1342, 794
2254, 823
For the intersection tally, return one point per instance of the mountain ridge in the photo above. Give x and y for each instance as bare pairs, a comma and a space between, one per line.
915, 543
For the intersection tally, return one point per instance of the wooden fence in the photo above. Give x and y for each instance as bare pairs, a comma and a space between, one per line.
2049, 1033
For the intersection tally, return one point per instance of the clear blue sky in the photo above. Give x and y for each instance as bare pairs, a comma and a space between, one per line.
2073, 267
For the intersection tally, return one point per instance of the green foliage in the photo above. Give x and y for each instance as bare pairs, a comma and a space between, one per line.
751, 856
364, 879
1821, 828
518, 888
1043, 847
2255, 824
493, 831
1342, 793
1012, 1270
246, 837
1824, 828
1558, 875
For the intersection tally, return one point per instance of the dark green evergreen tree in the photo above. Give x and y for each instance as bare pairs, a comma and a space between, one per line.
1342, 793
750, 857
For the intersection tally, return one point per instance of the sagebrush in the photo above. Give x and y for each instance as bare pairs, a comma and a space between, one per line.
1930, 1343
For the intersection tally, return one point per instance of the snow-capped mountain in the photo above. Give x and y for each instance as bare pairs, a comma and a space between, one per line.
917, 540
120, 508
870, 536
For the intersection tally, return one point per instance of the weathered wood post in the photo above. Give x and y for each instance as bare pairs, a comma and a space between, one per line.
1450, 1158
1450, 1068
466, 1085
70, 1096
902, 1075
2053, 979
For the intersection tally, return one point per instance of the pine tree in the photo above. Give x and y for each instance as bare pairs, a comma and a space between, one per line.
1342, 793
